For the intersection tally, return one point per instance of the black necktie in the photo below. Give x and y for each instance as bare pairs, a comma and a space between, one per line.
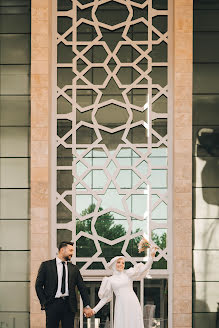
63, 279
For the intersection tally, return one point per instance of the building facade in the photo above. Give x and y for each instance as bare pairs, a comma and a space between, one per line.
112, 141
15, 60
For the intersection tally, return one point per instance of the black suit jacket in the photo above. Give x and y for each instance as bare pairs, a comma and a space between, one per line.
47, 284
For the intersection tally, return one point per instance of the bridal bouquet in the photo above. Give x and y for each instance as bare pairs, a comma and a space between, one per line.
143, 245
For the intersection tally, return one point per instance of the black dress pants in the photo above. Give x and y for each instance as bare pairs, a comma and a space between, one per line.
58, 311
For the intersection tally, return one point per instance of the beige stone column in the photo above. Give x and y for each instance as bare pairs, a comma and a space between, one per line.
40, 44
182, 164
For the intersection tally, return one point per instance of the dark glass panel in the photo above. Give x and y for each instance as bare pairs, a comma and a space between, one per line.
206, 20
15, 110
15, 80
206, 110
206, 47
160, 4
206, 4
14, 3
205, 78
10, 42
203, 320
14, 23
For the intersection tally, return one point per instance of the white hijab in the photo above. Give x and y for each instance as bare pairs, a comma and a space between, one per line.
112, 263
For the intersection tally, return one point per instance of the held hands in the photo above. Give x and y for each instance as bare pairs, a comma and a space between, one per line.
88, 312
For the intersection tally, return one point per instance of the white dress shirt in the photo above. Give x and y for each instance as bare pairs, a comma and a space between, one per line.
59, 266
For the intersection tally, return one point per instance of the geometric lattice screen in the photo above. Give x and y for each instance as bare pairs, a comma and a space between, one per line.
111, 116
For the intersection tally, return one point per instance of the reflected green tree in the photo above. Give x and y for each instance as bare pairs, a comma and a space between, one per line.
105, 224
106, 227
159, 240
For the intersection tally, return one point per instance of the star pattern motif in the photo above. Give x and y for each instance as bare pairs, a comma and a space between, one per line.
113, 164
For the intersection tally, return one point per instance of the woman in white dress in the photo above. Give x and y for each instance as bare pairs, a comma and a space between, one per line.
127, 312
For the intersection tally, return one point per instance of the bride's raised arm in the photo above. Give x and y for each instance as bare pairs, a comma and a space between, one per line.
105, 294
142, 269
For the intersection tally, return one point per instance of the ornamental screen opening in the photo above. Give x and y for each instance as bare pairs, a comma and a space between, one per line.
110, 113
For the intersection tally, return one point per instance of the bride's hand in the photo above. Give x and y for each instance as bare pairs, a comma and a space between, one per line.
153, 251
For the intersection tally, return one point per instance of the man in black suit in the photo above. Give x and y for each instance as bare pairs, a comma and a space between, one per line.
55, 288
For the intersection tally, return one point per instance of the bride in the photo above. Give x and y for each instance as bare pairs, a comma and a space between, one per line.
128, 312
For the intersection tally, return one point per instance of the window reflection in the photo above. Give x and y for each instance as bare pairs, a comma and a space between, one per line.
155, 304
114, 138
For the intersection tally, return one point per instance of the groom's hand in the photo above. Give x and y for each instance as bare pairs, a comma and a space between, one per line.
88, 312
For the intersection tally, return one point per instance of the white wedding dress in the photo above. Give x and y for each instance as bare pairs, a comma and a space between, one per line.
127, 312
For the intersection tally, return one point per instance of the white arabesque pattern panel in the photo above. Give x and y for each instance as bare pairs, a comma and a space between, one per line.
111, 116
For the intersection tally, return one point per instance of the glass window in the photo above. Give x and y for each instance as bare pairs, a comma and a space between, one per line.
155, 302
64, 53
159, 76
205, 164
15, 319
205, 4
202, 230
65, 179
14, 204
203, 320
83, 203
15, 23
206, 174
14, 296
15, 80
160, 211
206, 110
205, 78
205, 265
103, 317
206, 47
15, 111
21, 43
9, 10
14, 266
64, 5
205, 141
14, 173
160, 4
205, 203
63, 24
14, 234
15, 3
14, 142
206, 20
158, 178
205, 296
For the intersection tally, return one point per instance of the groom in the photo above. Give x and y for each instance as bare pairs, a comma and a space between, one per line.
55, 288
